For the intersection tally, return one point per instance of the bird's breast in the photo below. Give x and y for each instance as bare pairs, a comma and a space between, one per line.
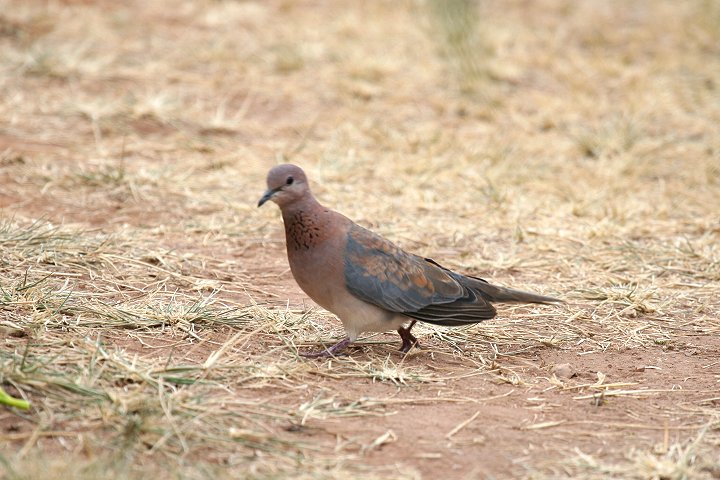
303, 231
314, 249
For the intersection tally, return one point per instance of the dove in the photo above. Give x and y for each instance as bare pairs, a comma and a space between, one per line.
368, 282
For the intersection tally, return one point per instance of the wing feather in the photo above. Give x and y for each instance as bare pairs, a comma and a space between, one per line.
379, 272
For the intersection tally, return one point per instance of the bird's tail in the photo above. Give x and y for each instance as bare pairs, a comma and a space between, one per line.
494, 293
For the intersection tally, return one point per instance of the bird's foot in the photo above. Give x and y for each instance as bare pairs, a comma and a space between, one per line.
408, 339
328, 352
408, 344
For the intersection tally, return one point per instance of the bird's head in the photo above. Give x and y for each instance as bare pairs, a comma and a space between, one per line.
286, 184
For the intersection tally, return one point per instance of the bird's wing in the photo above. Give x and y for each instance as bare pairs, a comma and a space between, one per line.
379, 272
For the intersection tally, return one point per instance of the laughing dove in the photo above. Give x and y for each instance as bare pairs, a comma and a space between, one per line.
367, 281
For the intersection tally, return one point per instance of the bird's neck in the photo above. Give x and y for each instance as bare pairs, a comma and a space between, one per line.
305, 224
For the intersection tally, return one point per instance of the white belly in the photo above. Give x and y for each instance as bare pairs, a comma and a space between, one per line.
358, 316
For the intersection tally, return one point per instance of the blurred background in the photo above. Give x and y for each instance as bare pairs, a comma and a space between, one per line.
167, 111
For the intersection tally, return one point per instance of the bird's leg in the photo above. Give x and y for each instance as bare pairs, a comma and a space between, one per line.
408, 338
329, 352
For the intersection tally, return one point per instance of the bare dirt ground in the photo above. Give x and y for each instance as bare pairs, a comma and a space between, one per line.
147, 312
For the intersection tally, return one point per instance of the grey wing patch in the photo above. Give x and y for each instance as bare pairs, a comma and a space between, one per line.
380, 273
464, 311
472, 307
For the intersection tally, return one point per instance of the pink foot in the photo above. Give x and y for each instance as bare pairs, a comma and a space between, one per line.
329, 352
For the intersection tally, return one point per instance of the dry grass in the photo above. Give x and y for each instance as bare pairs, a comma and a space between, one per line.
146, 310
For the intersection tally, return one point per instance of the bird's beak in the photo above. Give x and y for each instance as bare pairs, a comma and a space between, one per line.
267, 196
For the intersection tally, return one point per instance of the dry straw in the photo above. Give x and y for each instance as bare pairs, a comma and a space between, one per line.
148, 316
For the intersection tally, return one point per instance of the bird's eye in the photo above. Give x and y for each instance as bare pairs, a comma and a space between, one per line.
289, 181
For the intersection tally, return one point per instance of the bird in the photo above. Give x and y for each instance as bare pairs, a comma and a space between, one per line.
367, 281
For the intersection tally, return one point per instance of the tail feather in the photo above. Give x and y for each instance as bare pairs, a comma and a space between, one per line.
494, 293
